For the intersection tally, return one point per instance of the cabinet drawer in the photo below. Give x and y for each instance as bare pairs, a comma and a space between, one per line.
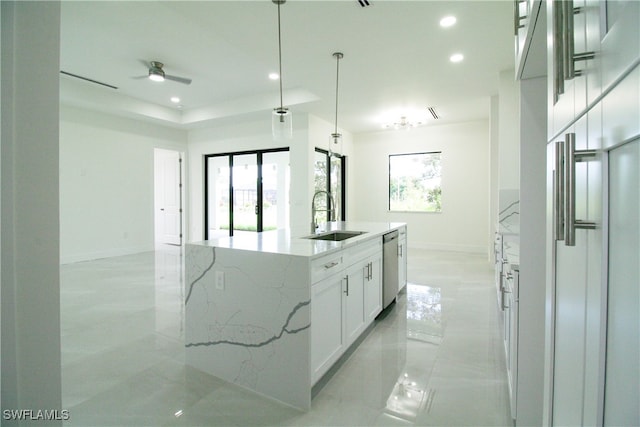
362, 250
327, 265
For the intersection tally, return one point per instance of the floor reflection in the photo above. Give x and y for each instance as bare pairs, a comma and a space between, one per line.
410, 395
434, 358
424, 313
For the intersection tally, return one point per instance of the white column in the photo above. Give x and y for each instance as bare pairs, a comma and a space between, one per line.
30, 286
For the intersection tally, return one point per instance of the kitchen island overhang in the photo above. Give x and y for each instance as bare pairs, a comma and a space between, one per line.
248, 305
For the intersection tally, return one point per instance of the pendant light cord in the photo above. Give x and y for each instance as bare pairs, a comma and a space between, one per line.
280, 56
337, 76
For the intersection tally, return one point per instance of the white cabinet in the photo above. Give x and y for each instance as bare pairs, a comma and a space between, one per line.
354, 301
373, 288
623, 347
402, 259
574, 68
577, 248
620, 44
327, 337
346, 297
510, 304
601, 116
529, 29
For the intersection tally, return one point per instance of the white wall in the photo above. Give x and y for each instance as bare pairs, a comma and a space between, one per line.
495, 170
107, 183
30, 287
509, 131
463, 224
308, 132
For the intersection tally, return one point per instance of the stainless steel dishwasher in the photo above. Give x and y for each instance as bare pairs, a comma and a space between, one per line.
389, 268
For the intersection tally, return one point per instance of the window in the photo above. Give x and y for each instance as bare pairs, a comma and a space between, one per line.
414, 182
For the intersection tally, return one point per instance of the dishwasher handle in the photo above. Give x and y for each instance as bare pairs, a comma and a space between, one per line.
390, 237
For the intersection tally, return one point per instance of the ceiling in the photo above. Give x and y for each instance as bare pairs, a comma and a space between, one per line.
396, 59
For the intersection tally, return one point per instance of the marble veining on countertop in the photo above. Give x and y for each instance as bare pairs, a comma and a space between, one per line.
282, 242
511, 250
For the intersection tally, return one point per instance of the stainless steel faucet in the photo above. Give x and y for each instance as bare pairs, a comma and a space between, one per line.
331, 213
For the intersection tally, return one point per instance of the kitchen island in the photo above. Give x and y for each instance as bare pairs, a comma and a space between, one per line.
272, 312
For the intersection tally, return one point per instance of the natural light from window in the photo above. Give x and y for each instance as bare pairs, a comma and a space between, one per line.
415, 182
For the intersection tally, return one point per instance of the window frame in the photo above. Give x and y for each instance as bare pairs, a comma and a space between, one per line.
421, 153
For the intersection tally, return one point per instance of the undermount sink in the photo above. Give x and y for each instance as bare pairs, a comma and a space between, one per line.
336, 236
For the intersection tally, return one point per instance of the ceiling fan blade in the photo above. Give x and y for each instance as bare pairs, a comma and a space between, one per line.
183, 80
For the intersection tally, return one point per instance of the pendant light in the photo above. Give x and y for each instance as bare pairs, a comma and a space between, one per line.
336, 138
281, 120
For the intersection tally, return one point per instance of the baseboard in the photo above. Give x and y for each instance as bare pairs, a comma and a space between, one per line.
108, 253
475, 249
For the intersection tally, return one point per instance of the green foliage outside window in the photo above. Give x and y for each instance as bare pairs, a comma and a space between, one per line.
415, 182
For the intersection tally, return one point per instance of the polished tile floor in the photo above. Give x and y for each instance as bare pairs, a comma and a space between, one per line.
433, 358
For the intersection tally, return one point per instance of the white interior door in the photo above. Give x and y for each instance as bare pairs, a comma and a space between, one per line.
168, 200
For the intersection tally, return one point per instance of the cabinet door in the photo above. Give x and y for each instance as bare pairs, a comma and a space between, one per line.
561, 103
354, 301
402, 263
574, 62
570, 296
573, 313
622, 374
327, 337
373, 288
620, 46
513, 342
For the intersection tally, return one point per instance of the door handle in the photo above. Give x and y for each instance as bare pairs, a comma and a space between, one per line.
256, 209
571, 156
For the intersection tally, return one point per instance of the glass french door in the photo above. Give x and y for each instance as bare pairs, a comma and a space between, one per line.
246, 192
329, 175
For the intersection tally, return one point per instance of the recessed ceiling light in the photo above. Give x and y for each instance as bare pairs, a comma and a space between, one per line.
456, 57
448, 21
274, 76
175, 99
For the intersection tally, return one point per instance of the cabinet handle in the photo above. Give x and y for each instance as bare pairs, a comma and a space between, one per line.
371, 270
558, 188
558, 44
567, 39
571, 156
331, 264
570, 55
504, 291
400, 250
516, 16
347, 289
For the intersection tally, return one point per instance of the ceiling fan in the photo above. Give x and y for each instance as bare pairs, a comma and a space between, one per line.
157, 74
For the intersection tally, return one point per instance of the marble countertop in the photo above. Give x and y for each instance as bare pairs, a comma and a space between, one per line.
282, 242
511, 250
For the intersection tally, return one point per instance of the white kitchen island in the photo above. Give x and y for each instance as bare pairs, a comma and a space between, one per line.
273, 313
